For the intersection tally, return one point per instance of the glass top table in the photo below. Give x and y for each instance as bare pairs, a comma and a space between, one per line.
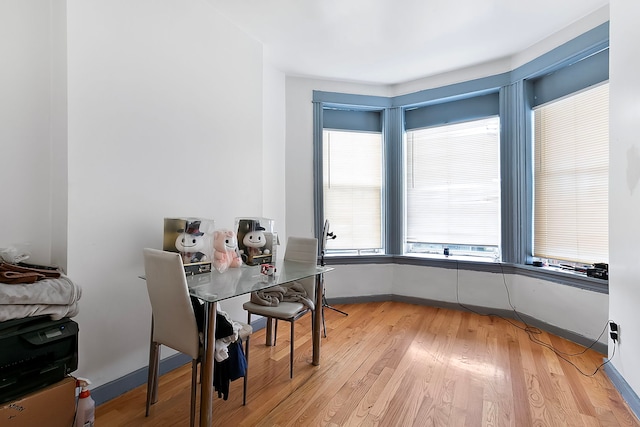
216, 286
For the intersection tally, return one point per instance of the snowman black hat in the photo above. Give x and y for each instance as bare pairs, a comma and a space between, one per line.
193, 228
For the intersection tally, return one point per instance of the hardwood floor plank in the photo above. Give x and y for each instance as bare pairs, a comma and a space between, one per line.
494, 378
347, 385
358, 385
362, 411
567, 403
435, 408
397, 364
334, 377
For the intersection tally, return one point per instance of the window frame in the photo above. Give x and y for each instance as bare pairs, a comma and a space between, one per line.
516, 98
564, 258
382, 192
478, 256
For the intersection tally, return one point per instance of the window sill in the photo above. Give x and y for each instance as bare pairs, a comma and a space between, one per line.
562, 277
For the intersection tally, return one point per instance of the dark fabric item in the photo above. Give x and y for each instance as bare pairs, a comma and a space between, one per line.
198, 310
235, 366
238, 362
12, 274
223, 327
230, 369
13, 277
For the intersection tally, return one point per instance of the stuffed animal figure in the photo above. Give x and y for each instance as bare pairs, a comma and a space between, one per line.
254, 240
225, 250
191, 243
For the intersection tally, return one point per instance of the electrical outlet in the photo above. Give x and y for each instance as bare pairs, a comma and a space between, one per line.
614, 331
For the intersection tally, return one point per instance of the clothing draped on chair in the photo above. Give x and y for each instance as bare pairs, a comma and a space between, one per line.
272, 297
230, 361
290, 302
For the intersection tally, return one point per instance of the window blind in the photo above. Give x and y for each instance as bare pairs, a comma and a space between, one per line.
453, 184
571, 152
352, 188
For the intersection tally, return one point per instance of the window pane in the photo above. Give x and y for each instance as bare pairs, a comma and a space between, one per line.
571, 145
453, 189
352, 187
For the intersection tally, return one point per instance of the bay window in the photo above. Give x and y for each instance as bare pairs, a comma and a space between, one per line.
508, 168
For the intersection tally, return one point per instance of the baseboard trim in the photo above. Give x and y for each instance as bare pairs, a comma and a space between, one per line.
128, 382
117, 387
623, 387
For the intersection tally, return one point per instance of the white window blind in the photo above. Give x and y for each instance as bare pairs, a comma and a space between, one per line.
453, 184
571, 147
352, 188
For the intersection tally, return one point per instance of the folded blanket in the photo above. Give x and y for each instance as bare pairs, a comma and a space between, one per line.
272, 297
60, 291
57, 312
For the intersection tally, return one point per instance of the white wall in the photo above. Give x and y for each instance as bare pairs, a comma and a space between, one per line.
59, 135
165, 119
274, 150
624, 193
26, 30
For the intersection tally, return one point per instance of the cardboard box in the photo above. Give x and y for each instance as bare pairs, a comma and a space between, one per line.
257, 242
193, 239
52, 406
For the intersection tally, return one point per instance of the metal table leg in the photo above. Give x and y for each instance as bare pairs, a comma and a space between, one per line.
206, 382
317, 319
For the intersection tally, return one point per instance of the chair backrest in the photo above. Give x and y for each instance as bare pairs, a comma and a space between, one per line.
174, 322
303, 249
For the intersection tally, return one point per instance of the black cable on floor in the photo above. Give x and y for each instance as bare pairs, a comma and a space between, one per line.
532, 331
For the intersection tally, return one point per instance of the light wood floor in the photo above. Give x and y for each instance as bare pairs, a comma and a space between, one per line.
397, 364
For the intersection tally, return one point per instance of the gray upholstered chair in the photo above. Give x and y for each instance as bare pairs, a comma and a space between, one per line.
174, 322
299, 249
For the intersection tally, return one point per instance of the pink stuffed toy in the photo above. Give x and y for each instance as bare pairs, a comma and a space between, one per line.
225, 250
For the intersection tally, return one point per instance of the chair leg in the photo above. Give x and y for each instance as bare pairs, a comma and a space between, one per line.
275, 334
194, 382
291, 351
268, 339
312, 320
246, 372
323, 324
152, 379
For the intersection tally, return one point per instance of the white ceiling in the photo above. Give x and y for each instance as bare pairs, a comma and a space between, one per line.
395, 41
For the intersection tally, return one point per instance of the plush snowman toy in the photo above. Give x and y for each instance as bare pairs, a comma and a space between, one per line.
191, 243
255, 240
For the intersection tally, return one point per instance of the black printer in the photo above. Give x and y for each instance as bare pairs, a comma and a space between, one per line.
36, 352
